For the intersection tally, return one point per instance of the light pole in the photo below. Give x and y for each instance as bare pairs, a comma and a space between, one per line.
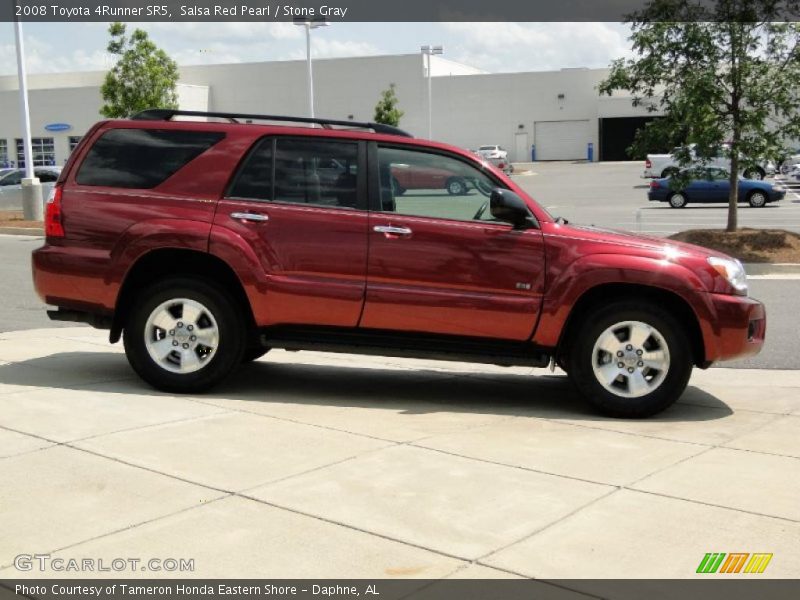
428, 51
32, 207
310, 24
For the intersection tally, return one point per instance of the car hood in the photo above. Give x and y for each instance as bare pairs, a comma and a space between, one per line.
616, 241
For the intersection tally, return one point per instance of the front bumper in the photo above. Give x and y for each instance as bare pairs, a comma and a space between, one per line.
738, 330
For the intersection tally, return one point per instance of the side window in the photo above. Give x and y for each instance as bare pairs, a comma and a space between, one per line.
254, 181
431, 185
142, 158
316, 172
13, 178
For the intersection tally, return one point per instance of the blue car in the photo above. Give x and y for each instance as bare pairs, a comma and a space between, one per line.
712, 184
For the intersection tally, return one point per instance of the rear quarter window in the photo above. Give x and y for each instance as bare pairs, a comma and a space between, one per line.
142, 158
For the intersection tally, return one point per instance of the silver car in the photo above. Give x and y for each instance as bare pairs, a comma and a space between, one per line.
11, 185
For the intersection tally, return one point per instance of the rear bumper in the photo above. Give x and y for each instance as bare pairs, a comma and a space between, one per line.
739, 328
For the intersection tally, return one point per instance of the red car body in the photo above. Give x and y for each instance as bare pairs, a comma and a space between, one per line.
450, 278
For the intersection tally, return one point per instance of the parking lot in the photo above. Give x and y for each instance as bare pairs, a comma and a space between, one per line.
615, 195
315, 465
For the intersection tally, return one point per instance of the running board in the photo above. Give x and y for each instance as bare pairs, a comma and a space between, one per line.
406, 345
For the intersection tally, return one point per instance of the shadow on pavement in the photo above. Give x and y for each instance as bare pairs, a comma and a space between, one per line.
407, 391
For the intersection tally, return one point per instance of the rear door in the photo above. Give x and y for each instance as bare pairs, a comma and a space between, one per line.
300, 203
438, 263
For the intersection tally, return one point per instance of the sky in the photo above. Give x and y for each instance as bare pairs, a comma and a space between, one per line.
493, 47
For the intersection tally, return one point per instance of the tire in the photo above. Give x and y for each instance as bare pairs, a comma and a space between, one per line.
398, 189
678, 200
757, 199
253, 354
637, 389
456, 186
756, 174
185, 364
668, 172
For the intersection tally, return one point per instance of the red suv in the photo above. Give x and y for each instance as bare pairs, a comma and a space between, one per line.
207, 242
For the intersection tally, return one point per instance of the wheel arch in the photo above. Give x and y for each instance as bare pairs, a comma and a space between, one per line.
606, 293
165, 262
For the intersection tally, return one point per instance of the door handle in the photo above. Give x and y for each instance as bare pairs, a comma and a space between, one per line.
247, 216
390, 230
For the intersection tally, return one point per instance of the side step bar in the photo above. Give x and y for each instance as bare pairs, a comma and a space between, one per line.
405, 345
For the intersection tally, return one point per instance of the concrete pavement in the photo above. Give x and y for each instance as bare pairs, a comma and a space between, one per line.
317, 465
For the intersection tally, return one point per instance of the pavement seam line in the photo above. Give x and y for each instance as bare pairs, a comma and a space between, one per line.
130, 527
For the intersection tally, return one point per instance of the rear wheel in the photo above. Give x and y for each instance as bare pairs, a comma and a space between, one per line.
678, 200
630, 359
756, 174
456, 186
184, 335
757, 199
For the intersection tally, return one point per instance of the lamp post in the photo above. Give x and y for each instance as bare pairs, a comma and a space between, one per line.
310, 24
32, 207
428, 51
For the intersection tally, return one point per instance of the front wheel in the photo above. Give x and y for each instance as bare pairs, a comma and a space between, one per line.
756, 174
757, 199
630, 360
184, 335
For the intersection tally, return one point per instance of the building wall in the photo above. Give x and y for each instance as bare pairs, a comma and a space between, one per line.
470, 107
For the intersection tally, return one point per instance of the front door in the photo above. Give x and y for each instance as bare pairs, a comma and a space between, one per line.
438, 263
301, 205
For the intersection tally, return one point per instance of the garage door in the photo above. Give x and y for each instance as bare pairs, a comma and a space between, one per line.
562, 140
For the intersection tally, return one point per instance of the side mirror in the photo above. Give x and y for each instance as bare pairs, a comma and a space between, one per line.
506, 206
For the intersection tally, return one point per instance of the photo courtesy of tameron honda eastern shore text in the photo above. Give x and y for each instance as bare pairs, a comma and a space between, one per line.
207, 241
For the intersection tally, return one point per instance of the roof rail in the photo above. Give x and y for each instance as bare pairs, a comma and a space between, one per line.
167, 114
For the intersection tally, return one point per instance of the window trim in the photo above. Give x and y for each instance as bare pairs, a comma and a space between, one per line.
375, 183
362, 204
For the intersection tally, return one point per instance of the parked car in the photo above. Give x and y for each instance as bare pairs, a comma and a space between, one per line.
664, 165
178, 237
790, 161
11, 185
711, 184
421, 177
492, 151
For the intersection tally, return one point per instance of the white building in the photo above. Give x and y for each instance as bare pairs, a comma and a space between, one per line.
560, 113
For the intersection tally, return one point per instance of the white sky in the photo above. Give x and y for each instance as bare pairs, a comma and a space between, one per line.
494, 47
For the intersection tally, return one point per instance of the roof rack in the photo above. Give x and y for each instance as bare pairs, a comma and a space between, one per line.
166, 114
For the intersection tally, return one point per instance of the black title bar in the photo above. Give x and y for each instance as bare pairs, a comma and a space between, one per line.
352, 10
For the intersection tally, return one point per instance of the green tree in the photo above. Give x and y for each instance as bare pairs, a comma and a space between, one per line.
143, 77
386, 110
721, 71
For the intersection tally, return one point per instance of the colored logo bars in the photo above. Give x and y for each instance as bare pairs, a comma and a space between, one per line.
736, 562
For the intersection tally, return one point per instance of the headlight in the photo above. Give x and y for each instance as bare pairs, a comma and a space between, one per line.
732, 270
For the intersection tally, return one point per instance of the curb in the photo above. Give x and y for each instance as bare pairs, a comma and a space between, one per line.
22, 231
772, 268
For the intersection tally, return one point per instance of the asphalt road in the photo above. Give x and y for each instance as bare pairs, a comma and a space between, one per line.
20, 307
614, 195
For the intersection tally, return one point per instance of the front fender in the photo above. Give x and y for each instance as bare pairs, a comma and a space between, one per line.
568, 285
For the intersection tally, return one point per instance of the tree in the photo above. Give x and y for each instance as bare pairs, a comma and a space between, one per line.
386, 110
143, 77
721, 71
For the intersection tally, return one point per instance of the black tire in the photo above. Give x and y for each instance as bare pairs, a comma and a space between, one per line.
757, 199
253, 353
456, 186
754, 173
583, 359
678, 200
669, 172
398, 189
218, 304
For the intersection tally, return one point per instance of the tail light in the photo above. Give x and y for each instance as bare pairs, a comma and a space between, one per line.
647, 164
53, 225
654, 184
